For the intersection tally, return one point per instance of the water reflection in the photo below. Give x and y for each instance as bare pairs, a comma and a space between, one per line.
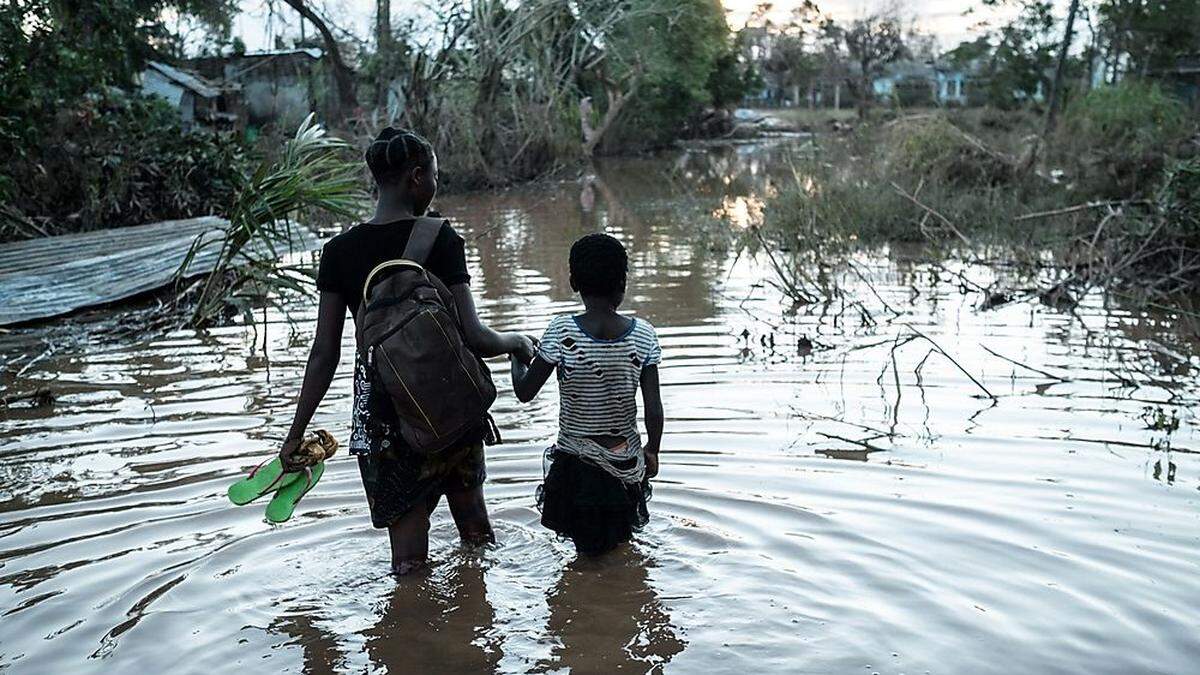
437, 622
322, 654
677, 246
1075, 489
605, 617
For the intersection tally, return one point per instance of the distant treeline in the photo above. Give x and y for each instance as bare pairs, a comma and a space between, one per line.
1017, 63
506, 91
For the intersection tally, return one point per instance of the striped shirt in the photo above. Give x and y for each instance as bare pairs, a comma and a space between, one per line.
598, 382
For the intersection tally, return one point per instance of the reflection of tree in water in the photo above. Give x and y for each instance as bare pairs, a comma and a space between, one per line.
440, 622
321, 653
663, 209
606, 618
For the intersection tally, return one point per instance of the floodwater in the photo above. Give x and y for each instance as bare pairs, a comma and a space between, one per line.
834, 497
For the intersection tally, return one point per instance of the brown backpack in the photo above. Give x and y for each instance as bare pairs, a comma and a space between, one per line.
412, 342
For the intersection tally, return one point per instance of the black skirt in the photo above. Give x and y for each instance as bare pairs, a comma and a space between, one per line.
586, 504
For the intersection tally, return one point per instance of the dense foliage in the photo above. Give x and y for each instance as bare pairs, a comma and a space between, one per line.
1121, 137
82, 151
688, 63
503, 89
117, 160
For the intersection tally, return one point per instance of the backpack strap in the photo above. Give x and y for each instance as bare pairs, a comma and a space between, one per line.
425, 231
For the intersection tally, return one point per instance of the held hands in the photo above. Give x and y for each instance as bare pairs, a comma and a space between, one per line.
524, 349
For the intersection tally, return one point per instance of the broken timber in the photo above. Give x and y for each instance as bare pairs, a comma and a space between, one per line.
53, 276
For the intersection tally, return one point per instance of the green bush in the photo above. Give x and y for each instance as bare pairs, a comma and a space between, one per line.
933, 148
1178, 201
113, 160
914, 92
1133, 115
1116, 138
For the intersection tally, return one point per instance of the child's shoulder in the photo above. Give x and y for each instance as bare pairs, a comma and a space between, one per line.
642, 326
561, 321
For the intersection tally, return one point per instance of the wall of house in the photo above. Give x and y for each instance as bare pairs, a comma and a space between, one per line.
277, 90
187, 109
155, 83
283, 101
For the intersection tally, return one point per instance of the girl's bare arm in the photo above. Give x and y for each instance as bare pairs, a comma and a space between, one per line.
528, 380
653, 412
485, 341
323, 360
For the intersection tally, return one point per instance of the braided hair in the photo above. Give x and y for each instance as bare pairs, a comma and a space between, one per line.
394, 152
598, 265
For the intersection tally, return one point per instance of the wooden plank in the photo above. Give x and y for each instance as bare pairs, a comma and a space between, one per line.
50, 277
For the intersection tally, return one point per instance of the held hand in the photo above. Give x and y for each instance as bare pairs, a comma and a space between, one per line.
525, 349
651, 464
287, 454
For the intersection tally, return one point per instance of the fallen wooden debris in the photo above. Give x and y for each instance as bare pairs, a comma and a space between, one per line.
931, 211
1077, 208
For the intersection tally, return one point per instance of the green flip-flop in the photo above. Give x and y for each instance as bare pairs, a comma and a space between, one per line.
284, 502
266, 477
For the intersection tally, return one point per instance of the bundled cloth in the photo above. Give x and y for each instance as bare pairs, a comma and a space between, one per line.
316, 449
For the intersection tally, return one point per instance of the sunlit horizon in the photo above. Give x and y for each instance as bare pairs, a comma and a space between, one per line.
258, 26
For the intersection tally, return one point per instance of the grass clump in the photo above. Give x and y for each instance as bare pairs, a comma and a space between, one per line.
112, 160
1114, 201
920, 178
935, 148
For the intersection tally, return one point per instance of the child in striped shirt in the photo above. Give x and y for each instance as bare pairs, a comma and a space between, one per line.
596, 489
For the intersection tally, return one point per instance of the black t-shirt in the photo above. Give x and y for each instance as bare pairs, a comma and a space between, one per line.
348, 258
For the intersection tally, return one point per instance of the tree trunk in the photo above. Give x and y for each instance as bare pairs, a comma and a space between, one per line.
1059, 69
864, 93
383, 50
616, 100
837, 95
345, 100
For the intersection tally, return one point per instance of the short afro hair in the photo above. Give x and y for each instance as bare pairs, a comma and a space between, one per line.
598, 265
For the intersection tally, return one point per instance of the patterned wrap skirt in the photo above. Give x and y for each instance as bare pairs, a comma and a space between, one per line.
396, 478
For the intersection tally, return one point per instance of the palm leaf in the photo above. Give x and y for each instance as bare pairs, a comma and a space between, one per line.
310, 174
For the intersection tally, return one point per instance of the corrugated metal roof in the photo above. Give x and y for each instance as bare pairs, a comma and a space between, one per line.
189, 81
52, 276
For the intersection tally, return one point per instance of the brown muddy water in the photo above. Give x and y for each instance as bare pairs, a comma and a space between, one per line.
832, 500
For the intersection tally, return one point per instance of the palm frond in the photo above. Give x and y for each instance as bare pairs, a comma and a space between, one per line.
309, 175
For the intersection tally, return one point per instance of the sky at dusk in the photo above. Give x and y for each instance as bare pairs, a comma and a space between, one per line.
258, 25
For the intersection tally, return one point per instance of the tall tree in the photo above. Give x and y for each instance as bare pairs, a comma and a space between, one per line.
1052, 102
872, 42
1147, 36
383, 49
1024, 53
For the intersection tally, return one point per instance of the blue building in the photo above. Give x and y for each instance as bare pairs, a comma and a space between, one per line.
934, 83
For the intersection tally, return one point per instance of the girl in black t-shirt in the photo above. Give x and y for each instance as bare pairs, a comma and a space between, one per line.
402, 487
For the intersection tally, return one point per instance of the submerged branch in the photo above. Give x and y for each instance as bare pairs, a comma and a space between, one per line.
958, 365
